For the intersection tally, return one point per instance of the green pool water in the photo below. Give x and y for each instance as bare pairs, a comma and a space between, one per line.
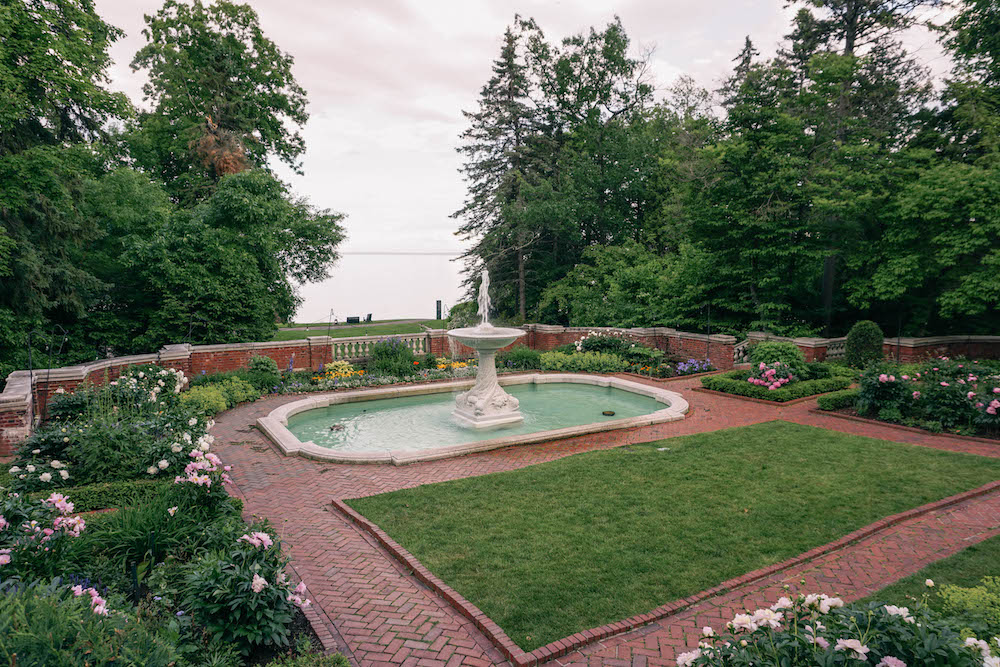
423, 422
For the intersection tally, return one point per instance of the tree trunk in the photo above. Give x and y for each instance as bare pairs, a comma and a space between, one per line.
522, 308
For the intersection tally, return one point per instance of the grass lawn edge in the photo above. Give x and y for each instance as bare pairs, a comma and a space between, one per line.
565, 645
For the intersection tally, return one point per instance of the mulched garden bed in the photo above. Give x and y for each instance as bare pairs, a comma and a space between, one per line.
852, 415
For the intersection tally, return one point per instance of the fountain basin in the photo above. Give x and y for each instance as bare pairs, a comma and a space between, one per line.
378, 445
486, 337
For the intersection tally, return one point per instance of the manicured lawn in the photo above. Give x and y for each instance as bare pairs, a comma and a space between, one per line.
966, 568
371, 329
560, 547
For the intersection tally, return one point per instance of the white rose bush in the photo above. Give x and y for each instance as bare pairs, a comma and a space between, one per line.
818, 630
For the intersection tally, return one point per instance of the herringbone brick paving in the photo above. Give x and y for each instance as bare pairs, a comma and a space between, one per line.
379, 615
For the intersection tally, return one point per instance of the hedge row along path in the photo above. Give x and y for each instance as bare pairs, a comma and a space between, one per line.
369, 607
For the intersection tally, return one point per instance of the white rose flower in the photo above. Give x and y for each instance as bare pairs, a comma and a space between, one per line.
14, 470
56, 463
929, 583
192, 421
141, 374
176, 448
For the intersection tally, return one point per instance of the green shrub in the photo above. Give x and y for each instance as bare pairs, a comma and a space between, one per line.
391, 356
206, 400
45, 624
769, 352
864, 344
596, 342
520, 357
735, 382
976, 608
237, 390
640, 355
583, 362
218, 592
262, 364
102, 495
838, 399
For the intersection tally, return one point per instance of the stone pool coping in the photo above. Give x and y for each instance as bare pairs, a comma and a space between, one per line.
275, 424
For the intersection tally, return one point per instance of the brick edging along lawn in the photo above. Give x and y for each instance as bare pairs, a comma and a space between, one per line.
900, 427
563, 646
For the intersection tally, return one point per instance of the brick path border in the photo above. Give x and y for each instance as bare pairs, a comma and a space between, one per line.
563, 646
900, 427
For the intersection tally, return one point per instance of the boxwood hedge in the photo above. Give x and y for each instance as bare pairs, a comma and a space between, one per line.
838, 400
735, 382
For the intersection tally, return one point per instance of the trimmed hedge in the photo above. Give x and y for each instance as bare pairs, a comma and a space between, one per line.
838, 399
102, 495
735, 382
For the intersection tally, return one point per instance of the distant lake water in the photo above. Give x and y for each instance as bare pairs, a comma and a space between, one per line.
387, 286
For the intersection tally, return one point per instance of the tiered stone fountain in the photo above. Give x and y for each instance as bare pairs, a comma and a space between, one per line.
486, 405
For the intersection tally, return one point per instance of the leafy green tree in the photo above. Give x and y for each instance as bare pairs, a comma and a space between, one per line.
627, 285
225, 271
53, 74
223, 94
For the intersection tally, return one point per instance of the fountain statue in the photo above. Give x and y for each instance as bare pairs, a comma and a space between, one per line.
486, 405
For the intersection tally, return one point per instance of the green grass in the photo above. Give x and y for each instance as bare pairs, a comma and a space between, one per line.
563, 546
319, 325
371, 329
966, 568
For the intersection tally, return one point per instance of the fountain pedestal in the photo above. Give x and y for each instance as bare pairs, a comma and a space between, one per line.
486, 405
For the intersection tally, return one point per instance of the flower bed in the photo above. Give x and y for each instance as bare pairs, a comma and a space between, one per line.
941, 396
817, 629
174, 576
737, 383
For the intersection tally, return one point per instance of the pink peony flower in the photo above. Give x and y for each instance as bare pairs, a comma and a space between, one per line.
857, 650
4, 556
889, 661
258, 584
945, 384
971, 395
916, 395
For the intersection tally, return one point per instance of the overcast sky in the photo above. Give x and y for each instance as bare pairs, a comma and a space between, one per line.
387, 81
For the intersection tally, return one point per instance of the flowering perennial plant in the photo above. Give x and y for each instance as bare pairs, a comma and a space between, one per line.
242, 593
693, 366
33, 534
771, 376
942, 394
817, 629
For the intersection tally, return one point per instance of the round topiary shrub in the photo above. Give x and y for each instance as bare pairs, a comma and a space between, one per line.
769, 352
864, 344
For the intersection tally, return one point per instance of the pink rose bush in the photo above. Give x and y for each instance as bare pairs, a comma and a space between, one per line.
817, 629
771, 376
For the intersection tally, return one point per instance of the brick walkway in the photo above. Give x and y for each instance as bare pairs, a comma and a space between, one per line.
374, 611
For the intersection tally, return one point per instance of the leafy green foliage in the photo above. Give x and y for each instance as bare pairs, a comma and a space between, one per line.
219, 592
262, 364
864, 344
103, 495
520, 357
223, 93
391, 356
977, 607
312, 660
838, 399
45, 624
205, 400
583, 362
236, 391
